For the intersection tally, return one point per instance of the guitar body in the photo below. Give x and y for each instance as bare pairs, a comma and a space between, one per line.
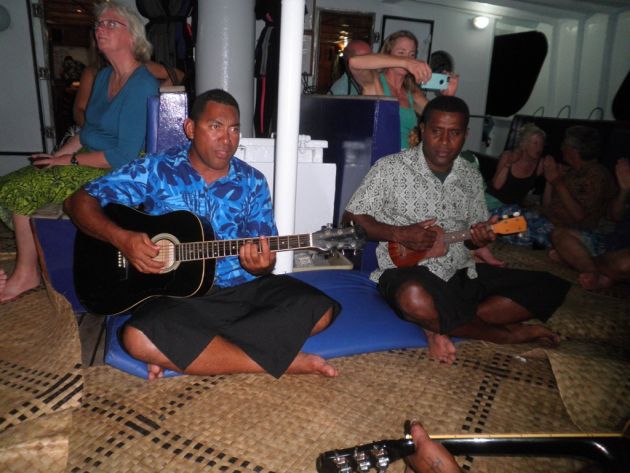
108, 286
404, 257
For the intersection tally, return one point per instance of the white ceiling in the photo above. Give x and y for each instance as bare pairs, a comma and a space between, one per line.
583, 6
551, 8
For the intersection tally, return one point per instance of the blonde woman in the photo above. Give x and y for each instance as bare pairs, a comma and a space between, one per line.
518, 169
113, 135
396, 73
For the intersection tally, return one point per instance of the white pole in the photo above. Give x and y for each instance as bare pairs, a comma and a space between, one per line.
225, 53
289, 90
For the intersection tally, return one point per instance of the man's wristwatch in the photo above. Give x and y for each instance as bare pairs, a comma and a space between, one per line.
73, 160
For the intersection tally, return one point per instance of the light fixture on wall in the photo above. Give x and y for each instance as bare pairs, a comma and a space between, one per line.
5, 18
480, 22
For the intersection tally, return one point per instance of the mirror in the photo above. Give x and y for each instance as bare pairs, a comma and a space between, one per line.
334, 30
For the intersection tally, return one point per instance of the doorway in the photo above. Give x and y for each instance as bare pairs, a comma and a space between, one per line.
69, 25
335, 30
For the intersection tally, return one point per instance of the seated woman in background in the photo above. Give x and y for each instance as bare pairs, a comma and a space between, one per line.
113, 135
518, 169
396, 73
165, 75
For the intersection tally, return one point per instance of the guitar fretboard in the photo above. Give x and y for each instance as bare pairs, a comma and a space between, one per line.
454, 237
220, 248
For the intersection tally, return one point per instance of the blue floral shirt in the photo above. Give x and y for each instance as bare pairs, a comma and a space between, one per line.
236, 206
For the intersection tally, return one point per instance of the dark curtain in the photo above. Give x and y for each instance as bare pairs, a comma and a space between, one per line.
168, 31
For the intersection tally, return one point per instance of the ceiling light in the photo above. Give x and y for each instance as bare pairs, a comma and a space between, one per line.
481, 22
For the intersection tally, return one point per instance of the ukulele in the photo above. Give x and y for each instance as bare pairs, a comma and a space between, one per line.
404, 257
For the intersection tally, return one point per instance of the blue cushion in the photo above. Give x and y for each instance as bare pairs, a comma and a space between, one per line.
166, 114
56, 240
366, 323
115, 354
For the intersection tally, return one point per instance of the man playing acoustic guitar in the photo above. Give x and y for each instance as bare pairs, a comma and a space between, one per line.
412, 198
249, 321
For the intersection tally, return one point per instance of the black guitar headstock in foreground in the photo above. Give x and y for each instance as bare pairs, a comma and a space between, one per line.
376, 455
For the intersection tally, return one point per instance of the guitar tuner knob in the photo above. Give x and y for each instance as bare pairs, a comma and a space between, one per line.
504, 216
516, 214
363, 461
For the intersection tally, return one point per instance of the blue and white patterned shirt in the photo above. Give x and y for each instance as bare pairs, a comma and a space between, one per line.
237, 205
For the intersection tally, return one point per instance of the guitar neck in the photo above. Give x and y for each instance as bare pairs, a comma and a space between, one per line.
454, 237
199, 250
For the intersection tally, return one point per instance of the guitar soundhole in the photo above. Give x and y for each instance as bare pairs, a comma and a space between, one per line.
167, 244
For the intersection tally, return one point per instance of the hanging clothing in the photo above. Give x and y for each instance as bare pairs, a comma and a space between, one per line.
266, 68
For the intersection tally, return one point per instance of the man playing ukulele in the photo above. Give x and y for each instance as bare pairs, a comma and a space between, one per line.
412, 198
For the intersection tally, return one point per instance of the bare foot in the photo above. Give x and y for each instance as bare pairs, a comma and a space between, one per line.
14, 285
554, 256
154, 371
430, 456
441, 347
305, 363
524, 333
594, 281
484, 255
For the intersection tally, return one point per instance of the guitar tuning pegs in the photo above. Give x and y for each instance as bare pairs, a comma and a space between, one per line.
504, 216
521, 235
516, 214
363, 461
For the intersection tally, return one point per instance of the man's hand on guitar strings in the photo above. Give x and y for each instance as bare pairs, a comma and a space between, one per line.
141, 252
419, 236
257, 261
481, 233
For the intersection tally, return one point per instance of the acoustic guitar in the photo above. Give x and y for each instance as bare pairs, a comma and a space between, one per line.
404, 257
611, 451
107, 284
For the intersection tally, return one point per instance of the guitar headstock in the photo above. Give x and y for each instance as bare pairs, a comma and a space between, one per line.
341, 238
378, 455
508, 225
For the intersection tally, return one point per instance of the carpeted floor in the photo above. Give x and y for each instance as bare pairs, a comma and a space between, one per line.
57, 416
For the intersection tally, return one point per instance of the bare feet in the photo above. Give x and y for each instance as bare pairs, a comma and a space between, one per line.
154, 371
14, 285
305, 363
430, 456
594, 281
441, 347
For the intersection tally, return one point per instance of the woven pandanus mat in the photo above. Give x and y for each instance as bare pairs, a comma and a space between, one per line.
254, 423
525, 258
40, 356
37, 445
592, 317
594, 382
522, 257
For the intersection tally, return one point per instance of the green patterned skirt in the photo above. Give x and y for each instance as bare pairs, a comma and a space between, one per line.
29, 188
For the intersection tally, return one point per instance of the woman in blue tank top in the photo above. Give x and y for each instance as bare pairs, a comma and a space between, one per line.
396, 73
